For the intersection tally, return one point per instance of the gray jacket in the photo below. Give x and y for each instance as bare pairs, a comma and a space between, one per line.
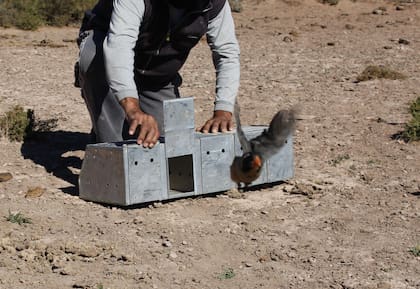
122, 38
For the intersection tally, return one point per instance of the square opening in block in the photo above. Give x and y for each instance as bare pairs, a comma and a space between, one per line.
181, 174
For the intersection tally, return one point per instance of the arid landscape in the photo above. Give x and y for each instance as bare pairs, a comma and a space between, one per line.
348, 219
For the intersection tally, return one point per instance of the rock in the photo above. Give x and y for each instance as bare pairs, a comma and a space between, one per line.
234, 194
27, 255
383, 285
167, 244
349, 284
403, 41
125, 258
137, 220
172, 255
81, 250
4, 177
35, 192
379, 11
287, 39
276, 255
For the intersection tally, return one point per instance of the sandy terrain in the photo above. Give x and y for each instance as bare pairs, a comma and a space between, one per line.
348, 218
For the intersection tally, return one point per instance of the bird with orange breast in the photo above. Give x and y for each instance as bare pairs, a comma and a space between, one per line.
247, 168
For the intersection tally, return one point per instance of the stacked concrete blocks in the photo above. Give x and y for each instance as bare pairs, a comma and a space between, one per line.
184, 163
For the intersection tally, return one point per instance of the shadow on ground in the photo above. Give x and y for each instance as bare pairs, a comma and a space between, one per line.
47, 149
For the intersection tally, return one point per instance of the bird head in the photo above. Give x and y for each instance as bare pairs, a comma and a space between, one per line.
251, 162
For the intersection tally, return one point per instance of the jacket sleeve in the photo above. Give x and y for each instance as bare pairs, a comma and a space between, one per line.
119, 44
225, 51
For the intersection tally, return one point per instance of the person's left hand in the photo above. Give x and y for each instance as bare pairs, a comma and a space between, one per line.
220, 122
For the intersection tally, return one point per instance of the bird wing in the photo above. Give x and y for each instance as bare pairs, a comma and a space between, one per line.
271, 140
246, 145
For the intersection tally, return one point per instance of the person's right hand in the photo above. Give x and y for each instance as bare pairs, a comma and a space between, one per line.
149, 131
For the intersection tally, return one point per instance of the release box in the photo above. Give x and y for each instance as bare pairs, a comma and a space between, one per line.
185, 163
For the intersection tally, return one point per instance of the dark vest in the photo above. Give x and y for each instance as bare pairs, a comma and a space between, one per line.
160, 51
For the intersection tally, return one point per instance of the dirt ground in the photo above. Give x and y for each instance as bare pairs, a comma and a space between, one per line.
347, 219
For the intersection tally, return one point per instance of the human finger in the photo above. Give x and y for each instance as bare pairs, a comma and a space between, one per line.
133, 126
215, 126
230, 125
151, 137
142, 135
206, 127
223, 126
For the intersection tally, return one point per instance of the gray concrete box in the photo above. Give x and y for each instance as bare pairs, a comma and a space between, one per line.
123, 174
216, 155
185, 163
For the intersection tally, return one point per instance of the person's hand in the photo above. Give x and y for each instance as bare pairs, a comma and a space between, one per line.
149, 131
220, 122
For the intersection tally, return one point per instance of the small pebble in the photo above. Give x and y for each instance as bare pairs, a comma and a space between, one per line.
287, 39
4, 177
403, 41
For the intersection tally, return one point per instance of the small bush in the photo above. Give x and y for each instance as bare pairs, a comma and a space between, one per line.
20, 13
236, 5
227, 273
18, 218
412, 130
376, 72
31, 14
415, 250
18, 124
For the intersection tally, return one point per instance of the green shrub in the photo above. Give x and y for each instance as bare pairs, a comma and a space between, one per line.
30, 14
412, 130
236, 5
20, 13
415, 251
18, 218
63, 12
18, 124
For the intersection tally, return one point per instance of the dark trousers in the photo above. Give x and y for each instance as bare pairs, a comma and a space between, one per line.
108, 118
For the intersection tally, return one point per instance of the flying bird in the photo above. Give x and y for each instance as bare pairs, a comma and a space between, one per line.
247, 168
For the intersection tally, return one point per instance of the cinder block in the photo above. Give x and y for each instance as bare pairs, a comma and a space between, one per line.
217, 153
178, 119
123, 174
280, 166
146, 177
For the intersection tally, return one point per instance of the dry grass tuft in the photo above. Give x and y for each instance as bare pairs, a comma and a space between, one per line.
378, 72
